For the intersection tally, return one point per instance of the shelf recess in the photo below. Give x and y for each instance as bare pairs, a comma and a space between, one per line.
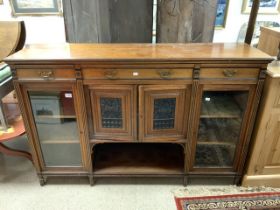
138, 159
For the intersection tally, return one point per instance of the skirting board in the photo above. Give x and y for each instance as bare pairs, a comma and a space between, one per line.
262, 180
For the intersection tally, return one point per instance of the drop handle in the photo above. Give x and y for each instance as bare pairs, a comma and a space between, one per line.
46, 74
229, 72
110, 74
165, 74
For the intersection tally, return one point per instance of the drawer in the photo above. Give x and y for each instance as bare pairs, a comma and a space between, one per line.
229, 73
137, 73
45, 74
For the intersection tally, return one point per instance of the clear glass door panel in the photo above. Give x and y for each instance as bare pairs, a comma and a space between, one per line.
62, 155
56, 124
221, 117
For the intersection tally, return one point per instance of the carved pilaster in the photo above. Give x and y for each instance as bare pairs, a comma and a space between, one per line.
78, 72
196, 72
262, 74
192, 118
14, 72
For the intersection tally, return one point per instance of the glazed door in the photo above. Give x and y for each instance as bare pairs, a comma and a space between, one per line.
221, 134
163, 112
52, 109
113, 112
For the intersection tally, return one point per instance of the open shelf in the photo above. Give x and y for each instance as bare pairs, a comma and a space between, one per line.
138, 159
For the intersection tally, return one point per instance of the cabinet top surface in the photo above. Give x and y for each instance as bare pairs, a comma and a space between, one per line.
137, 52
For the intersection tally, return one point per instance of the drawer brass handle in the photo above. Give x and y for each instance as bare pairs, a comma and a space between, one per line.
46, 74
229, 72
110, 74
165, 74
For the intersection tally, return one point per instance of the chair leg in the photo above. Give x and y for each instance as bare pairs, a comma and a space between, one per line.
13, 152
3, 120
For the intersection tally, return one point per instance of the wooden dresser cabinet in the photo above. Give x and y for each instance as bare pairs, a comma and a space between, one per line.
178, 110
264, 165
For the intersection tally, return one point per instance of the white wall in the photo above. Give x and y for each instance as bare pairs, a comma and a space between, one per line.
39, 29
235, 19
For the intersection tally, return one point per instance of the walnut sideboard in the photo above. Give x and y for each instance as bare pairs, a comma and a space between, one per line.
175, 110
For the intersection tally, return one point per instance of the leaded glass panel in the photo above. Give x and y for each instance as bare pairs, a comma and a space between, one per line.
111, 112
164, 113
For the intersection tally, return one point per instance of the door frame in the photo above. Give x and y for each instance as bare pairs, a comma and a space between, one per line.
243, 140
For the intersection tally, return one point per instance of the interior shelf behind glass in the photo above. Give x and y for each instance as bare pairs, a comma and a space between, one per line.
219, 130
56, 123
214, 156
41, 117
58, 131
62, 155
222, 104
54, 116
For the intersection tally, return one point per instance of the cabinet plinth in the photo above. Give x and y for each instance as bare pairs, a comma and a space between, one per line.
173, 110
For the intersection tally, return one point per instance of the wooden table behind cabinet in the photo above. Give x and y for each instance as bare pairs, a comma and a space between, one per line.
176, 110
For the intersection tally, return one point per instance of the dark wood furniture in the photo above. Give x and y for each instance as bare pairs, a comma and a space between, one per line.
180, 110
12, 39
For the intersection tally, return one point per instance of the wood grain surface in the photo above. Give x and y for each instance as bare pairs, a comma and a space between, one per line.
141, 52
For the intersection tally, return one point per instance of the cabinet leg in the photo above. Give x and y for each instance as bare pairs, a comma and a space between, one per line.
91, 180
237, 180
185, 181
42, 180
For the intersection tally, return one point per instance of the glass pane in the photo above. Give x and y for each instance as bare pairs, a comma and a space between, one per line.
219, 129
111, 112
56, 125
164, 113
62, 154
214, 155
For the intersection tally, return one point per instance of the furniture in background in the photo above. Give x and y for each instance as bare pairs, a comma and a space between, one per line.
12, 38
108, 21
257, 31
270, 40
165, 110
263, 167
126, 21
264, 163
